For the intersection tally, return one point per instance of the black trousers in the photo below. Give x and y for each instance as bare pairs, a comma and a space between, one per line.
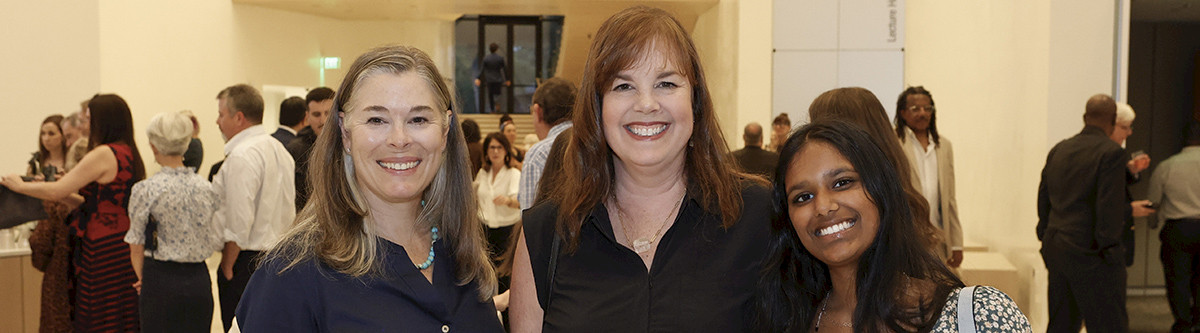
493, 89
1181, 266
176, 297
230, 291
1084, 288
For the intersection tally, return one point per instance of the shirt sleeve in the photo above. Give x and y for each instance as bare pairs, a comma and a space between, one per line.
1110, 200
238, 181
139, 213
514, 186
993, 309
531, 173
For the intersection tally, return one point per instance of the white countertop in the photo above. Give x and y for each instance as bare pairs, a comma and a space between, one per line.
14, 252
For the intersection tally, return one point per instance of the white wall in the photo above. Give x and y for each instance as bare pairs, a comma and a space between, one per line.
734, 42
1010, 79
51, 63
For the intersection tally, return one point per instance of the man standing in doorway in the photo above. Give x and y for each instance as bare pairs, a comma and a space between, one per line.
257, 191
494, 75
1081, 209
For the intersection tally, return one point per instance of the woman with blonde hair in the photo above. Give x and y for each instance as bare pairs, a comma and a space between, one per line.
171, 233
390, 237
651, 227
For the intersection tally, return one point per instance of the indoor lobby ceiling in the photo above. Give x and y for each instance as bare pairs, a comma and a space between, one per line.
451, 9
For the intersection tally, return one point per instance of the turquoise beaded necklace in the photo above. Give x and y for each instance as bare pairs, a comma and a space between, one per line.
429, 261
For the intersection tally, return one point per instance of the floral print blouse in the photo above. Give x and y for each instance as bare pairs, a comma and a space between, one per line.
183, 203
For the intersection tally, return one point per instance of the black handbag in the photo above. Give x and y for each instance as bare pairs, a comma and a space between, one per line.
17, 209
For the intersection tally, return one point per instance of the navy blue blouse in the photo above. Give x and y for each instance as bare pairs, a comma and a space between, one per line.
312, 297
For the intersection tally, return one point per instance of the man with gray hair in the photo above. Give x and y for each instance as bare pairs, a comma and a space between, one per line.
753, 158
1122, 129
257, 190
75, 132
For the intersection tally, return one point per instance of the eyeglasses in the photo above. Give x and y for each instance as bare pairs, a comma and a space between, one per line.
915, 108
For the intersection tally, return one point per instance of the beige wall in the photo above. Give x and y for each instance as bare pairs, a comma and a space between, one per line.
173, 56
1010, 79
51, 63
734, 41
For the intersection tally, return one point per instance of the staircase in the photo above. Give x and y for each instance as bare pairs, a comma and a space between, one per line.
489, 123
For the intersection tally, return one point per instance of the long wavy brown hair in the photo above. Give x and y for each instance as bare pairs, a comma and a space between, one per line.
860, 107
330, 227
588, 178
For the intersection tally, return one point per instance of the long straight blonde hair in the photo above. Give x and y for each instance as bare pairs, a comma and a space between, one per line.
330, 227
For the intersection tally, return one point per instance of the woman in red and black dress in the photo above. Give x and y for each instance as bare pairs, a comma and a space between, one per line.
105, 298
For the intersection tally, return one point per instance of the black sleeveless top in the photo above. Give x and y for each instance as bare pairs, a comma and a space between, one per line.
702, 278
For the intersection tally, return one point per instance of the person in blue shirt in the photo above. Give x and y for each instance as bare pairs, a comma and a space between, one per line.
391, 237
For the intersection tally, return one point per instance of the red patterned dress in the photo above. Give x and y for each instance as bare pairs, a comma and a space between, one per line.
105, 300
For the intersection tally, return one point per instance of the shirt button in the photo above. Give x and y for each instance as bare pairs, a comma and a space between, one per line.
445, 328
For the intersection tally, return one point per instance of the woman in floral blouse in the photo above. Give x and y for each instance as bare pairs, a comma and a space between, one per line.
171, 233
845, 250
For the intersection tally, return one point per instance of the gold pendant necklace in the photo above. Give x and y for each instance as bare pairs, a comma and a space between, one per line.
643, 245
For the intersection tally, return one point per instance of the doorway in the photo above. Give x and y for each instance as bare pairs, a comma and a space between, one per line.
1164, 70
528, 47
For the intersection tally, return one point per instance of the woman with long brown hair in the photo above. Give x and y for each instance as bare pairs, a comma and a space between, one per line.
50, 241
390, 238
651, 227
105, 299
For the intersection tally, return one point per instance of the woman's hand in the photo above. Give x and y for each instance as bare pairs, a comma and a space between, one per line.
500, 200
138, 286
12, 181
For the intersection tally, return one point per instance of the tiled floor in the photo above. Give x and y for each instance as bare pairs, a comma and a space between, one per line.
1148, 314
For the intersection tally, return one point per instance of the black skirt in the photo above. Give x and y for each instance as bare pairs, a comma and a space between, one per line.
176, 297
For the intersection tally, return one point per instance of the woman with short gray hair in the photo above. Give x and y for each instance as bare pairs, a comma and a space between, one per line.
171, 233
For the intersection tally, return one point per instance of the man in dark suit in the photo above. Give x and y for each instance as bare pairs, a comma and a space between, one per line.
320, 101
493, 75
291, 119
1081, 209
753, 158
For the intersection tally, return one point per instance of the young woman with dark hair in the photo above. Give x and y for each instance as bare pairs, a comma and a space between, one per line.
105, 299
52, 147
845, 255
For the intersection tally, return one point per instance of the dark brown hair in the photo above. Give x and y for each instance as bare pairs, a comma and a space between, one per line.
111, 122
588, 178
860, 107
45, 152
503, 140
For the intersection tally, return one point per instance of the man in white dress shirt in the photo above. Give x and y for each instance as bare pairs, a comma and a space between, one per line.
257, 189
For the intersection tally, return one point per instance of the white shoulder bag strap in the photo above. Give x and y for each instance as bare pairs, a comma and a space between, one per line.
966, 310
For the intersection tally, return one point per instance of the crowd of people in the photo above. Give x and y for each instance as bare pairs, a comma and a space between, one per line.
376, 207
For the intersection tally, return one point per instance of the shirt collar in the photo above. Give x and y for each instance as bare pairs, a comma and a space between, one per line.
912, 136
689, 211
242, 136
177, 170
554, 131
289, 129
